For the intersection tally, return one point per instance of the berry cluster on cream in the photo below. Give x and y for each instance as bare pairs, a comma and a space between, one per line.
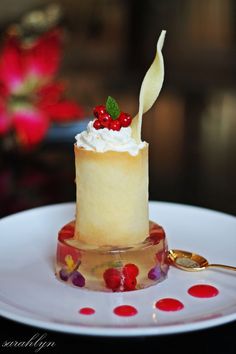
110, 116
110, 131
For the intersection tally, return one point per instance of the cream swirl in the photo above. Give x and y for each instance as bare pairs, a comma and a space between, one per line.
102, 140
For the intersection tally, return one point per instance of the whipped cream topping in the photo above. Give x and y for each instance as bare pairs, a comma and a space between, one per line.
102, 140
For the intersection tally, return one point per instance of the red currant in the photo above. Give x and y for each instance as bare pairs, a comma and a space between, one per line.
112, 278
130, 270
99, 110
97, 124
105, 119
160, 256
130, 284
125, 119
115, 125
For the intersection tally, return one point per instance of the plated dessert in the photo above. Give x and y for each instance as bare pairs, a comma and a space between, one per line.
111, 245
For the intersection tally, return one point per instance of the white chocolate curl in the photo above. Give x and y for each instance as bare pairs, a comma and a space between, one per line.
150, 89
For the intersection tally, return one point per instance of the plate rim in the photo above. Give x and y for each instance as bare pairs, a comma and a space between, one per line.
150, 202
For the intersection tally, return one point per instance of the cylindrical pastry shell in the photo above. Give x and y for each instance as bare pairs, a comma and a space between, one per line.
111, 197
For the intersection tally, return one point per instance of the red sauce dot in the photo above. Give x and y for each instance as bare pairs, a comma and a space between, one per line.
169, 304
125, 310
86, 311
203, 291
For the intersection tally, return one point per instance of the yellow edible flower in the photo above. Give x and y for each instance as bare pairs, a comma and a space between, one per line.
70, 264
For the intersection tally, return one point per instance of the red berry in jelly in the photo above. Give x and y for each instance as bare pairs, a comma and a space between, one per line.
130, 270
105, 119
112, 278
99, 110
115, 125
130, 283
97, 124
125, 119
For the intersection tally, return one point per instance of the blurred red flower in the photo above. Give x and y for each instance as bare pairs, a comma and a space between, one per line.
30, 99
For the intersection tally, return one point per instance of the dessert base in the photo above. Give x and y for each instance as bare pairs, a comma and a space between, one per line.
112, 268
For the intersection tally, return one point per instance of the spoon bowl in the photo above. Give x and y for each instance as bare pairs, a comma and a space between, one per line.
192, 262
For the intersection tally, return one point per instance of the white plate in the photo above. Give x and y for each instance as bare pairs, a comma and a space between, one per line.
30, 293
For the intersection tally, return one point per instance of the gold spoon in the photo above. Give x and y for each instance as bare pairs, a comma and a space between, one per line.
192, 262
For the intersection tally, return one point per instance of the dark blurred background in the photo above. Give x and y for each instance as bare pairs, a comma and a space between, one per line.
108, 46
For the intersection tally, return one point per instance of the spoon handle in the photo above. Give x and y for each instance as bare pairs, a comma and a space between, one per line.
222, 266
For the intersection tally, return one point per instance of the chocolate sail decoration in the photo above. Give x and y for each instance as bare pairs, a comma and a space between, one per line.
150, 89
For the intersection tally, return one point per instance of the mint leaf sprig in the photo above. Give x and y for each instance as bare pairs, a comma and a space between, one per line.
112, 108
